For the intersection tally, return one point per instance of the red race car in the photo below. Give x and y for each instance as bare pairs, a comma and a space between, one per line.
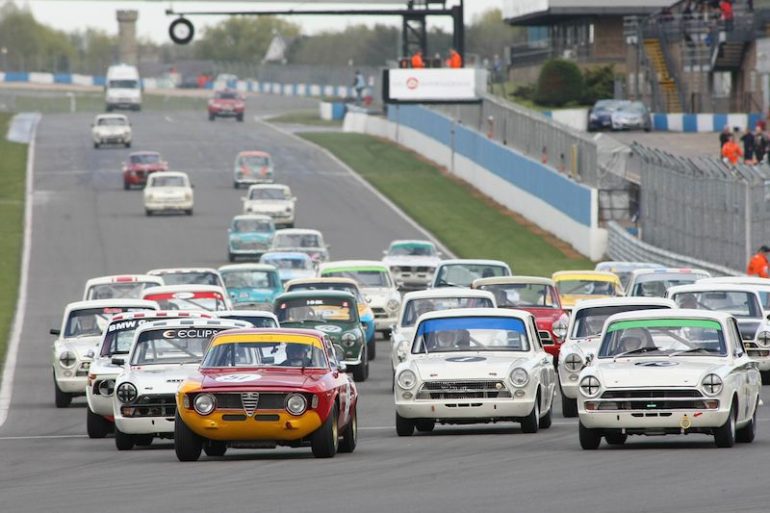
259, 388
537, 296
227, 104
139, 166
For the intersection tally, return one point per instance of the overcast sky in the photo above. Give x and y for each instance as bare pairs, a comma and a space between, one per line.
153, 23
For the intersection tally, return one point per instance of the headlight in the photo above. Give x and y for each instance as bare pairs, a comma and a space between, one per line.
204, 403
288, 210
296, 404
126, 392
68, 359
559, 327
573, 362
763, 338
349, 339
393, 305
712, 384
590, 386
519, 377
106, 387
407, 379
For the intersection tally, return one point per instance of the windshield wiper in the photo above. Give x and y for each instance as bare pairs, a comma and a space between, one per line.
635, 351
694, 350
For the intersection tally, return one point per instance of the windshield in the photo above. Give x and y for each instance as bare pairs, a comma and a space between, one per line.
650, 337
226, 95
254, 161
326, 309
252, 226
656, 285
288, 263
119, 336
208, 301
250, 279
587, 288
172, 346
268, 194
257, 321
91, 322
523, 295
296, 240
123, 290
462, 275
167, 181
739, 304
589, 322
609, 104
111, 121
455, 334
266, 354
190, 278
414, 308
412, 249
372, 278
145, 158
124, 84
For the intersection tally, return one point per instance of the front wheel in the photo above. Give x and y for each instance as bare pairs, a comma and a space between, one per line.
128, 144
325, 441
212, 117
187, 444
724, 435
371, 349
616, 438
546, 420
425, 425
62, 399
126, 186
531, 422
765, 377
746, 434
568, 406
96, 145
96, 425
350, 435
148, 212
240, 118
143, 440
404, 426
215, 448
589, 438
188, 212
123, 441
230, 257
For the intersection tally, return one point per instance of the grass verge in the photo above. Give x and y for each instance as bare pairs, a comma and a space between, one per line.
13, 166
53, 102
467, 222
304, 117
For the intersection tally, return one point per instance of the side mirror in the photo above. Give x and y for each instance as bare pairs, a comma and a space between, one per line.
120, 362
589, 359
55, 331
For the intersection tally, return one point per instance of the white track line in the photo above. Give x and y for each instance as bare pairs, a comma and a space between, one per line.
363, 182
41, 437
6, 386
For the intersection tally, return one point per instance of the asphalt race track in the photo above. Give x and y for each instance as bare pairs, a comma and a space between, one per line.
86, 225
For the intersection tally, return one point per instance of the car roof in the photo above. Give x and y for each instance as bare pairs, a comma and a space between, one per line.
473, 261
167, 289
341, 265
169, 173
122, 278
621, 301
505, 280
247, 267
191, 322
248, 313
113, 303
160, 314
112, 115
322, 279
268, 186
447, 292
588, 274
748, 280
668, 270
298, 231
315, 293
710, 287
676, 313
173, 270
475, 312
256, 217
243, 333
412, 241
611, 265
295, 255
253, 153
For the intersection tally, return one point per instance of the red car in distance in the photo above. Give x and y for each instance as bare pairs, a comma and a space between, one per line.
537, 296
227, 103
139, 166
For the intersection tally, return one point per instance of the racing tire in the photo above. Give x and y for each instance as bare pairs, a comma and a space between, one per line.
616, 438
96, 145
148, 212
393, 380
126, 186
746, 434
724, 435
765, 377
236, 185
350, 435
124, 441
404, 426
361, 371
62, 399
531, 422
230, 257
188, 212
215, 448
96, 425
143, 440
212, 117
371, 349
590, 439
425, 425
325, 441
568, 407
546, 420
127, 145
187, 444
239, 117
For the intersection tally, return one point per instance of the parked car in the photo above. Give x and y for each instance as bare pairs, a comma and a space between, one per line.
631, 116
600, 115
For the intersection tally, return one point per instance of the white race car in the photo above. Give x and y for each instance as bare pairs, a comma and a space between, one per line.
257, 318
669, 372
655, 282
163, 354
78, 340
310, 242
272, 200
111, 129
412, 262
189, 276
189, 297
583, 338
116, 342
475, 365
463, 272
416, 303
168, 191
120, 286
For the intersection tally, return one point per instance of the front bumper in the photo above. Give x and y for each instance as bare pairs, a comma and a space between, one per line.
137, 177
226, 113
254, 251
145, 425
648, 420
265, 425
408, 279
481, 409
112, 139
253, 179
159, 205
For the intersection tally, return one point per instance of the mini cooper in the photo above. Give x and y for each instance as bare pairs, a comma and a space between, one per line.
116, 341
475, 365
669, 372
252, 167
263, 388
331, 312
139, 166
124, 286
168, 191
163, 353
412, 262
78, 339
252, 285
209, 298
249, 236
189, 276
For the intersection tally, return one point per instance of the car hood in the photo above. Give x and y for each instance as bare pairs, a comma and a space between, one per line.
102, 366
159, 379
379, 295
251, 236
411, 261
466, 365
248, 294
648, 372
82, 345
215, 380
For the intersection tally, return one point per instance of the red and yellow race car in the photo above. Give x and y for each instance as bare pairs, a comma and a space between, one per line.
226, 103
139, 166
260, 388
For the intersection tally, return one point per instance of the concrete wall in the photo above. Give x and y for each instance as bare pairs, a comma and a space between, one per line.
547, 198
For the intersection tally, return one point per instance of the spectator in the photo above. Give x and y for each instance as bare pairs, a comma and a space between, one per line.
760, 144
726, 7
748, 146
359, 84
417, 61
731, 152
724, 136
758, 263
454, 60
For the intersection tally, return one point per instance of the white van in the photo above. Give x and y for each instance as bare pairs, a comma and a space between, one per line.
123, 88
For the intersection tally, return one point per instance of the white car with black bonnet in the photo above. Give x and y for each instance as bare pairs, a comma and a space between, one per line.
669, 372
475, 365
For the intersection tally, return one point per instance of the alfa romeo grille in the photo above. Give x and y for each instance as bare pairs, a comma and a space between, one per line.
250, 401
483, 389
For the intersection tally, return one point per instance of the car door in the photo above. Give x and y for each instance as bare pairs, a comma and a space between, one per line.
745, 370
544, 366
340, 382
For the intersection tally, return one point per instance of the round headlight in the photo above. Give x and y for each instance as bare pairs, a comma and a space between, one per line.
407, 379
67, 359
763, 338
204, 403
573, 362
559, 327
106, 387
349, 339
126, 392
296, 404
590, 386
712, 384
519, 377
393, 305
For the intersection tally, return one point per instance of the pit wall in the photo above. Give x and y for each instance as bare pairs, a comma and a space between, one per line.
551, 200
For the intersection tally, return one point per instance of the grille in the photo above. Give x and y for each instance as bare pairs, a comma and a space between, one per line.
159, 405
379, 312
545, 337
650, 394
463, 390
660, 399
753, 350
237, 401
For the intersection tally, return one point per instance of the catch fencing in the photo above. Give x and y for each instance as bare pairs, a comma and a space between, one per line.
703, 208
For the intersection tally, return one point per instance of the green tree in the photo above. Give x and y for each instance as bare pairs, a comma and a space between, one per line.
488, 35
242, 38
599, 83
560, 82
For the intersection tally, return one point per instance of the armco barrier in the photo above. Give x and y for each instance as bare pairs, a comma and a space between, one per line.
547, 198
